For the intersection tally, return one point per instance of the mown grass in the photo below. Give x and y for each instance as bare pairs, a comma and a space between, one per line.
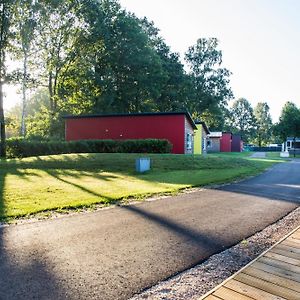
32, 185
276, 155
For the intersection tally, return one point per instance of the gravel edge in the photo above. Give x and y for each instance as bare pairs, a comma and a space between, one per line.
197, 281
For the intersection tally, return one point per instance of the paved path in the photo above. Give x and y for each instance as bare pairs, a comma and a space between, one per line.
273, 275
113, 253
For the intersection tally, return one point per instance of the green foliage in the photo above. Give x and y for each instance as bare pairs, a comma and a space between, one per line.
241, 119
176, 87
25, 23
210, 82
37, 117
127, 71
24, 148
263, 124
44, 122
289, 122
95, 57
57, 33
7, 8
12, 125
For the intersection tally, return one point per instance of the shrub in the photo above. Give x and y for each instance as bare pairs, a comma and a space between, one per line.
18, 147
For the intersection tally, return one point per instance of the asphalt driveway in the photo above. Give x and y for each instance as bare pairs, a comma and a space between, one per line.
114, 253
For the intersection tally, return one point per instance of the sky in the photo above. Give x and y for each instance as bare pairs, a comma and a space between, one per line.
259, 40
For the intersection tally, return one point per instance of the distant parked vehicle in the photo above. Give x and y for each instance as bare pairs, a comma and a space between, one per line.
248, 147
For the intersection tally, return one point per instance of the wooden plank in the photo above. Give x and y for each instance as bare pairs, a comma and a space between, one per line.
228, 294
288, 248
277, 271
279, 280
267, 265
212, 297
290, 243
268, 286
296, 235
250, 291
280, 264
283, 258
286, 253
294, 240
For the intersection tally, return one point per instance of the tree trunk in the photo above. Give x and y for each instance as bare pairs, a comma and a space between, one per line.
259, 140
24, 100
52, 104
2, 124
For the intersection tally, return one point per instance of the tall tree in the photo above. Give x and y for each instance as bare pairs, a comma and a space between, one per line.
25, 22
289, 122
176, 89
242, 118
263, 123
121, 66
210, 80
130, 70
58, 29
6, 12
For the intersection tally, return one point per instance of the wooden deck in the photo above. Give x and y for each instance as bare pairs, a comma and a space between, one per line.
274, 275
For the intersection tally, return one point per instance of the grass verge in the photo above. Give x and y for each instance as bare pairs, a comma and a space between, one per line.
32, 185
276, 155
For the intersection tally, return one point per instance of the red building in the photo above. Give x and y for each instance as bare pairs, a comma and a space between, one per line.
177, 127
236, 143
225, 142
231, 142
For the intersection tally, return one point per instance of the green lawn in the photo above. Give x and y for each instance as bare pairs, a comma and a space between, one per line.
232, 154
276, 155
32, 185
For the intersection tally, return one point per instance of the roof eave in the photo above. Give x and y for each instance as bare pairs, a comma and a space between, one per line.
186, 113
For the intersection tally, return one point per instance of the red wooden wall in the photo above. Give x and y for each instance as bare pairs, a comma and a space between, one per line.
225, 142
236, 145
170, 127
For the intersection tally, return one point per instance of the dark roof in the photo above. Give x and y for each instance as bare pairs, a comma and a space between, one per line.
204, 126
187, 114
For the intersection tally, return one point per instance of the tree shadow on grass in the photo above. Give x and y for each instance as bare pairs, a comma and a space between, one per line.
33, 279
24, 174
57, 175
79, 173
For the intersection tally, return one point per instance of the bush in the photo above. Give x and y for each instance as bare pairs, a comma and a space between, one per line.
266, 149
18, 147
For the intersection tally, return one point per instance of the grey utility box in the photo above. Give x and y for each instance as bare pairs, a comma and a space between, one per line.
142, 164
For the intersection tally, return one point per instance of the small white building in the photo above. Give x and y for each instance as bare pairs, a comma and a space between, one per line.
292, 145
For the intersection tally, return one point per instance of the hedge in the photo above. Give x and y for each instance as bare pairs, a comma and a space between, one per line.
26, 148
265, 149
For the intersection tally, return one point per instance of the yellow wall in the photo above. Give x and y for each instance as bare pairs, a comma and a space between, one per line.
198, 140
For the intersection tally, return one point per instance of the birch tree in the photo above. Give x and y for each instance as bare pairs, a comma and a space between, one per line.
6, 11
25, 17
